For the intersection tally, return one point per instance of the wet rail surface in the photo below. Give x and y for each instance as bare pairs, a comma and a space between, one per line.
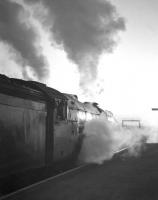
123, 178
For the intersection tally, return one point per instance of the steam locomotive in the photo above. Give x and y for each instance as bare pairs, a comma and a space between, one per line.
40, 125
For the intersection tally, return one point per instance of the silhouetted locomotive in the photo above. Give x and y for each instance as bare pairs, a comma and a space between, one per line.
40, 125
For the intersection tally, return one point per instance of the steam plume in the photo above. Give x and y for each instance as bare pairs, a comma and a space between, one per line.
21, 37
102, 140
85, 29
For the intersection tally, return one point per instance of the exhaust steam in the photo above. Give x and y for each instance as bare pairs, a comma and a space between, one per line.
102, 140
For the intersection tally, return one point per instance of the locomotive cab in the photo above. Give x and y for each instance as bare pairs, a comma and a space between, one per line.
65, 131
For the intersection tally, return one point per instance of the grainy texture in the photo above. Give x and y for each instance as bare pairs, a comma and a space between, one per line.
122, 178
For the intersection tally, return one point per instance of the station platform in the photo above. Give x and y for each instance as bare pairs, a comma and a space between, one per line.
121, 178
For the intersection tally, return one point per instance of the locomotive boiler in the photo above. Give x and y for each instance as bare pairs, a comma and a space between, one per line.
40, 125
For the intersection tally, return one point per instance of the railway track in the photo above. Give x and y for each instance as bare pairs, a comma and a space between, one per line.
132, 178
60, 175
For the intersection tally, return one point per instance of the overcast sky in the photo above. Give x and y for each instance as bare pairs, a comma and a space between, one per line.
111, 59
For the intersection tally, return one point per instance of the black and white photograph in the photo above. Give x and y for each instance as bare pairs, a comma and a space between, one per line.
78, 99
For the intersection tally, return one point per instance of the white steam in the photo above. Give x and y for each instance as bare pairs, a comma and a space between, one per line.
103, 139
84, 29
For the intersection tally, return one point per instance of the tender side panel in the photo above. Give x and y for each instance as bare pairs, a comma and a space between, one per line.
22, 134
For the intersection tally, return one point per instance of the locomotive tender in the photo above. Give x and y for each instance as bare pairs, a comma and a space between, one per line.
39, 125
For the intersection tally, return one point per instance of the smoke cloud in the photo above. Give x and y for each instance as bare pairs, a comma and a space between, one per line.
85, 29
98, 142
103, 139
22, 38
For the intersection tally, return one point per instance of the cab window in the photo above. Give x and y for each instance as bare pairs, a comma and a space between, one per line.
60, 110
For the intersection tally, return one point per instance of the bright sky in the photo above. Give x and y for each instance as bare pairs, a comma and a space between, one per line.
129, 75
133, 67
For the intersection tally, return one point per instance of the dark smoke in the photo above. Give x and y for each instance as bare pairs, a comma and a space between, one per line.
21, 37
85, 29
